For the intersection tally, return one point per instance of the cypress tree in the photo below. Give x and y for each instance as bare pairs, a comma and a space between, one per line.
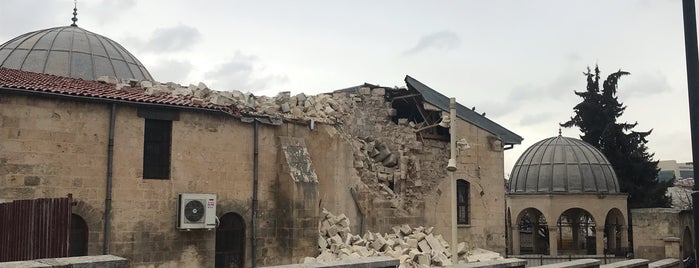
596, 117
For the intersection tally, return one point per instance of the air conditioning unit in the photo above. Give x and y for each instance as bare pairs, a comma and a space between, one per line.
196, 211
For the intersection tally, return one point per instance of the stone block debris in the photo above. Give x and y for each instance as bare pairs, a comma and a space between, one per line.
415, 247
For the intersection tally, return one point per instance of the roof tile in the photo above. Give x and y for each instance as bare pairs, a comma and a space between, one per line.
46, 83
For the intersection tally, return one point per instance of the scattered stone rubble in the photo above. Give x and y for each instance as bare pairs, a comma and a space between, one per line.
414, 247
322, 108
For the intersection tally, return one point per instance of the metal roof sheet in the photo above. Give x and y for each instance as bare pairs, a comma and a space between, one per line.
435, 98
563, 165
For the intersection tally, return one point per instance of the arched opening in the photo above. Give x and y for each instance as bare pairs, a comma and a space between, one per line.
613, 233
230, 241
687, 245
576, 233
77, 246
533, 232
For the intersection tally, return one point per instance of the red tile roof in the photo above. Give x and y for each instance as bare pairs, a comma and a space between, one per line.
45, 83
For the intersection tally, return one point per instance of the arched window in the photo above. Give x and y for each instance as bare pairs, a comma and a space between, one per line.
462, 189
78, 236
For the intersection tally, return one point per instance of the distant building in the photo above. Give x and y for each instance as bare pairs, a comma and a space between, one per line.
670, 169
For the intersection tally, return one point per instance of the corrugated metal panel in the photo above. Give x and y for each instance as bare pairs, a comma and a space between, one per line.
437, 99
34, 229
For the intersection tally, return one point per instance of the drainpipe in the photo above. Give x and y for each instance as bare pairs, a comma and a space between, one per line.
108, 191
254, 192
255, 167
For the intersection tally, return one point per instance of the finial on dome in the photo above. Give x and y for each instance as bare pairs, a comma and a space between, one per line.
75, 14
559, 131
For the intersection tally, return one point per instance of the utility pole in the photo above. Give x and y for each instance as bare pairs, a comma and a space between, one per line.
692, 58
451, 168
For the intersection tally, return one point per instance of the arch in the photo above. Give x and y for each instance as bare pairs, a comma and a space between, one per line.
614, 226
576, 232
533, 232
462, 201
687, 245
230, 241
79, 234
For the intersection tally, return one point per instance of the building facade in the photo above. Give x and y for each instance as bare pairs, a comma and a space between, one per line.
126, 151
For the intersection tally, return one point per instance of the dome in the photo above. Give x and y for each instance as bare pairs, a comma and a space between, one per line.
71, 51
563, 165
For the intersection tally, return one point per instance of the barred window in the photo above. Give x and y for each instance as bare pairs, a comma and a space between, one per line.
156, 149
462, 198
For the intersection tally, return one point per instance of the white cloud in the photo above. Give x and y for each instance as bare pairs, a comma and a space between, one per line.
644, 85
243, 73
171, 70
173, 39
441, 40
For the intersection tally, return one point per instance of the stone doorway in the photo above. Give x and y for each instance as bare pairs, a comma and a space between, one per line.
78, 236
230, 241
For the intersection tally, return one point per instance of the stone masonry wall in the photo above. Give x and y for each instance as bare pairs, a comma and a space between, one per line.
51, 147
404, 178
651, 226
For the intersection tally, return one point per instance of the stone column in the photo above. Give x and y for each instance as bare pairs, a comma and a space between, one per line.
599, 241
553, 240
625, 238
515, 240
611, 237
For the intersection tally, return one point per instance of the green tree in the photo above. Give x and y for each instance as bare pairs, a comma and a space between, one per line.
596, 117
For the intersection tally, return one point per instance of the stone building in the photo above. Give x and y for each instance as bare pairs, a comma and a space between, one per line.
79, 114
660, 233
564, 199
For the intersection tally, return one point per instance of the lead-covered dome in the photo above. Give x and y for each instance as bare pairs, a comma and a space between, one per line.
71, 51
563, 165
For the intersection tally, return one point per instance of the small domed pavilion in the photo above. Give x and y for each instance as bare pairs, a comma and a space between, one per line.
564, 199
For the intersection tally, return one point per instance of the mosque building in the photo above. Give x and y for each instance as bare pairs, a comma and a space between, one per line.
171, 175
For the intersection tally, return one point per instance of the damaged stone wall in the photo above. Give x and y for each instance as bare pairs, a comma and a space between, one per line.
355, 140
404, 173
297, 197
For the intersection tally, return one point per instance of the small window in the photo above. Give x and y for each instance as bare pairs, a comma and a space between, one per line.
156, 149
462, 189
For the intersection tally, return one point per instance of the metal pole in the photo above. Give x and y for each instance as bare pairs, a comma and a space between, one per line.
255, 163
108, 191
451, 168
692, 58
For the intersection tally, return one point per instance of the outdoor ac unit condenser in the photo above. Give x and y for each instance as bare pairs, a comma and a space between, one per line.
196, 211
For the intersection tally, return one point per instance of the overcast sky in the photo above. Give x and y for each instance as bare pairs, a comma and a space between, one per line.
517, 61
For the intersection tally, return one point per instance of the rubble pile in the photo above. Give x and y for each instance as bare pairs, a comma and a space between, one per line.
322, 108
414, 247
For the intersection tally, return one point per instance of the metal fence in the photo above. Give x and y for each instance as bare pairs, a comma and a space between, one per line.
538, 260
33, 229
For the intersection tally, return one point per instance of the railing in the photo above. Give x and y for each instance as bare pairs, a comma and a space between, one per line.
539, 260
